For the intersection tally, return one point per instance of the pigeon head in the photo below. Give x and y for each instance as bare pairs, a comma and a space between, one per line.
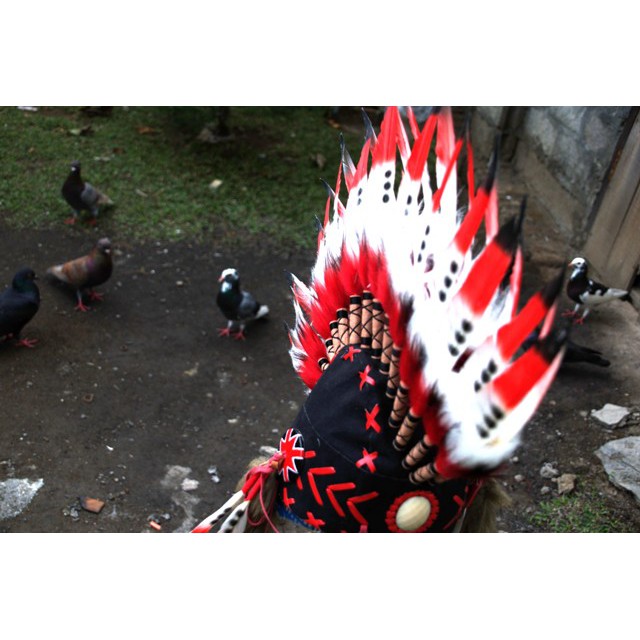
23, 277
229, 276
104, 246
75, 166
578, 263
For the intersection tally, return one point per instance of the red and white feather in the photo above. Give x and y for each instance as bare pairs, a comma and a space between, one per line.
449, 288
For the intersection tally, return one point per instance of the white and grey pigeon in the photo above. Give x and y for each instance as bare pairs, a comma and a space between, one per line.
588, 293
238, 307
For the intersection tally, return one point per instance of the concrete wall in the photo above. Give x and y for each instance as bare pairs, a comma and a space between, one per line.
562, 154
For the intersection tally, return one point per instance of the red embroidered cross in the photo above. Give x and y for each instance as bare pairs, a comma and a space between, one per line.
312, 521
367, 459
371, 419
286, 499
349, 355
365, 378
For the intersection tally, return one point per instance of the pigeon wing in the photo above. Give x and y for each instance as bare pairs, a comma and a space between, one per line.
74, 272
248, 307
90, 197
15, 311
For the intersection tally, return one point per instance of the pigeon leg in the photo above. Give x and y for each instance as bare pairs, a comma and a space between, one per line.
581, 319
228, 330
80, 306
27, 342
72, 219
239, 335
92, 222
94, 295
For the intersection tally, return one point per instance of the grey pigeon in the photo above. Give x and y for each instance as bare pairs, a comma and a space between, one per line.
238, 307
18, 304
83, 196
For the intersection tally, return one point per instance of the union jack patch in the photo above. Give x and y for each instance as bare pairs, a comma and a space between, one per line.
291, 446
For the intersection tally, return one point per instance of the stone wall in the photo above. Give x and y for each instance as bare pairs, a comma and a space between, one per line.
561, 153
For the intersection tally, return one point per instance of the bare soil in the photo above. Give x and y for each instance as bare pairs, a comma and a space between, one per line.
125, 402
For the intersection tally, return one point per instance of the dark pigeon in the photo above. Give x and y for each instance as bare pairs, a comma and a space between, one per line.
18, 304
579, 353
574, 353
82, 196
84, 273
588, 293
239, 307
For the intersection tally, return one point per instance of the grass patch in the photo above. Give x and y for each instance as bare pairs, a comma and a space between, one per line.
581, 512
150, 162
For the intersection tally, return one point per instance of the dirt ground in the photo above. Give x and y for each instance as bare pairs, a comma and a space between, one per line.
140, 404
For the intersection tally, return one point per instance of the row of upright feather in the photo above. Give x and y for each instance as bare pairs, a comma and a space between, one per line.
402, 244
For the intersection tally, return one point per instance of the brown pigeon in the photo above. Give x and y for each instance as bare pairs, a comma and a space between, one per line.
82, 196
86, 272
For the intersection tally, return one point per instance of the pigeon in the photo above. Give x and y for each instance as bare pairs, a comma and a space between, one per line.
18, 304
82, 196
238, 307
588, 293
579, 353
86, 272
406, 335
575, 353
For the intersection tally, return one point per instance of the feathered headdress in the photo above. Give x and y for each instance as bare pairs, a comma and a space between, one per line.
408, 337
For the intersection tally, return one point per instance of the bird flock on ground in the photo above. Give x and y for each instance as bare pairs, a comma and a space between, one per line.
21, 300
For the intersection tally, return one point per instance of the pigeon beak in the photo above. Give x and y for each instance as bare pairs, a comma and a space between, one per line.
220, 279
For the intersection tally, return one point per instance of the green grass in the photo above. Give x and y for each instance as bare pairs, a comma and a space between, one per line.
582, 512
160, 180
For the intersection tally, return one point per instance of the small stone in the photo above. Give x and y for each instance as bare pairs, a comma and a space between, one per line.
549, 471
566, 483
545, 490
611, 415
188, 484
213, 473
518, 478
91, 504
621, 460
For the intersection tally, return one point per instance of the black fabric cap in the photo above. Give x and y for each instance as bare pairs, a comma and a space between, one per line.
341, 472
